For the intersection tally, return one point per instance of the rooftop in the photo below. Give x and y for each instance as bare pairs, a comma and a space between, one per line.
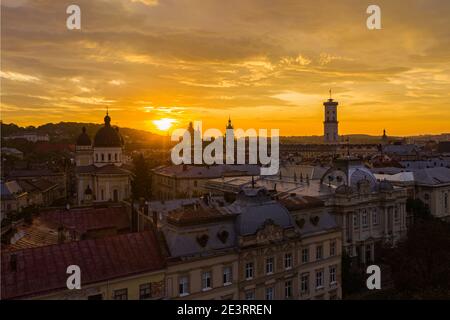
82, 220
209, 172
432, 176
43, 270
196, 214
299, 202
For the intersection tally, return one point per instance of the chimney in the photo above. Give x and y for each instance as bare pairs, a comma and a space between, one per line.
13, 262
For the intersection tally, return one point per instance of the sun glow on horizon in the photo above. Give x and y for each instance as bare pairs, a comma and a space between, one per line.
164, 124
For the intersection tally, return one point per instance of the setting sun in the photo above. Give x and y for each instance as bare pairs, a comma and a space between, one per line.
164, 124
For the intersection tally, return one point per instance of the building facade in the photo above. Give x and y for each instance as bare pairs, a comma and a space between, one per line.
371, 213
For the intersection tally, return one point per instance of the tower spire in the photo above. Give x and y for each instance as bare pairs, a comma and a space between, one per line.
107, 118
330, 94
229, 125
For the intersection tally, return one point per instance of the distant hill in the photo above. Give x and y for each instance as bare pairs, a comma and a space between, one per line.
67, 132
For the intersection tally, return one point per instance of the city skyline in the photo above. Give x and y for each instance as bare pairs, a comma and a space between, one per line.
159, 64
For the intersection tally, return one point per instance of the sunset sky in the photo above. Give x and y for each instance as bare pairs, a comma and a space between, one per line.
267, 64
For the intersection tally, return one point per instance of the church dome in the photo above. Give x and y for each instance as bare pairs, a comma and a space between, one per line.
83, 139
107, 136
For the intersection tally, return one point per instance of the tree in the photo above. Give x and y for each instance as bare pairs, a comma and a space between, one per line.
353, 280
141, 178
420, 264
418, 209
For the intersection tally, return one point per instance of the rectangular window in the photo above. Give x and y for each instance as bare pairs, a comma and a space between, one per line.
250, 295
288, 261
305, 255
396, 215
249, 270
227, 275
364, 220
145, 291
374, 218
288, 289
332, 248
304, 283
319, 279
332, 275
206, 280
183, 286
269, 293
121, 294
269, 266
319, 252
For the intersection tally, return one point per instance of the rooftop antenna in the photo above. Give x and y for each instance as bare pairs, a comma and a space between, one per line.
107, 109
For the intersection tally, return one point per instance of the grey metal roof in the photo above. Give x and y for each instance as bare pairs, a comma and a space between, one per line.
432, 176
255, 207
325, 223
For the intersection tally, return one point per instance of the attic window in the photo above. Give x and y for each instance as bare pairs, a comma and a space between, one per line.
315, 220
223, 236
300, 222
202, 240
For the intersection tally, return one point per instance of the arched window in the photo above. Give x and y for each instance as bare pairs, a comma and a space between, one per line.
96, 157
103, 157
115, 156
109, 156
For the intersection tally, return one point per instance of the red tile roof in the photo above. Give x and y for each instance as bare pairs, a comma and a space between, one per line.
82, 220
298, 202
43, 270
195, 214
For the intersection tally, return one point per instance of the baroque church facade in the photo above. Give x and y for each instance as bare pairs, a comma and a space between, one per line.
100, 173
